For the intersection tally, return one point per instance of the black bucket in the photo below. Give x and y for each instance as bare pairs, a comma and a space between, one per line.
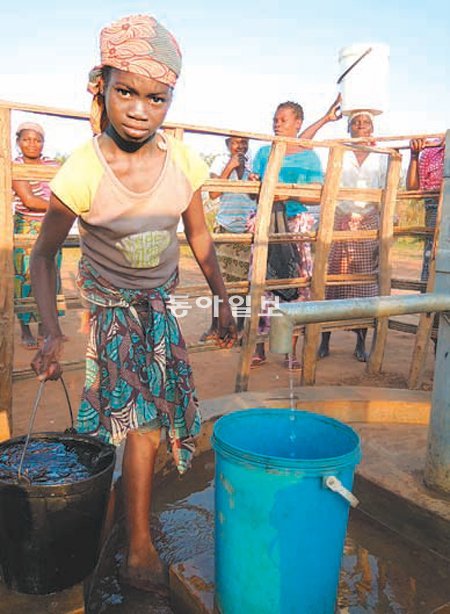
50, 534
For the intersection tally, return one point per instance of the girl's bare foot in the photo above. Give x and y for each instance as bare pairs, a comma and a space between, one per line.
144, 570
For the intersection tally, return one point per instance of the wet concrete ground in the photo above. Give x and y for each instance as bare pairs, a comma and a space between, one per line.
393, 459
381, 572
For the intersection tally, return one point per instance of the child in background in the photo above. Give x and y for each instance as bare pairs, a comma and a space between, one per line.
232, 214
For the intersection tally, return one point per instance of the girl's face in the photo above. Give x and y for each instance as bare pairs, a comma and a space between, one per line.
136, 105
31, 144
361, 126
286, 123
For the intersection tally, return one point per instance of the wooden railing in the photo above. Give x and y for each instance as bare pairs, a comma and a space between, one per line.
327, 195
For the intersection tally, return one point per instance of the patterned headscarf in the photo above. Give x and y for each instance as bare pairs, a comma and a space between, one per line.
137, 44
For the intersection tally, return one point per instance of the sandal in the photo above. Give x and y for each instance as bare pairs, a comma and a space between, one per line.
29, 344
292, 364
208, 335
257, 361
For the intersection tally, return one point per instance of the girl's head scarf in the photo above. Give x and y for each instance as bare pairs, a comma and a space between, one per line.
137, 44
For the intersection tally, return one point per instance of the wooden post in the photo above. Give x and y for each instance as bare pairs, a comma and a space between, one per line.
179, 134
426, 319
259, 261
387, 212
7, 277
324, 236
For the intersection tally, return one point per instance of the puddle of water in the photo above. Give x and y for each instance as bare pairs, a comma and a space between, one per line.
381, 572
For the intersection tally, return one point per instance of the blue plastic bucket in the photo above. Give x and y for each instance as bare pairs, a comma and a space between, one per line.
280, 529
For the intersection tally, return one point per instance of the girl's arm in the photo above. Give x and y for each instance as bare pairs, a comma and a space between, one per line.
25, 193
55, 228
202, 246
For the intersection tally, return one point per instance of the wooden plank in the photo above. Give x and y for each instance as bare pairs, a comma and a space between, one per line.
290, 190
259, 262
415, 194
403, 137
70, 113
25, 305
324, 237
425, 325
7, 278
413, 231
399, 283
179, 133
403, 327
41, 172
385, 265
43, 110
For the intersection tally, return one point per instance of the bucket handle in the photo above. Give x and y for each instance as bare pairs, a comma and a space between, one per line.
334, 484
33, 417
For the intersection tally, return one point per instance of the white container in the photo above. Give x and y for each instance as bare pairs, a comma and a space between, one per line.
365, 87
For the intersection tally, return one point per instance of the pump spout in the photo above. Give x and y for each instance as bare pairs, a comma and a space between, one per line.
289, 315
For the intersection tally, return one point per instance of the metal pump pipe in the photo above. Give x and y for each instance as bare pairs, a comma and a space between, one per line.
288, 315
437, 464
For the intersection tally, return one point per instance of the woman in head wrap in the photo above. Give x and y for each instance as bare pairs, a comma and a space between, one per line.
128, 187
30, 204
360, 169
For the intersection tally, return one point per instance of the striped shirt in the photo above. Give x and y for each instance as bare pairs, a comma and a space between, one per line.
39, 188
234, 208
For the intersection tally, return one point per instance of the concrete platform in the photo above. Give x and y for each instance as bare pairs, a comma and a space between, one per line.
393, 426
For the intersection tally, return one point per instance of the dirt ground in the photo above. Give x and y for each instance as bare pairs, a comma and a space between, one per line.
215, 371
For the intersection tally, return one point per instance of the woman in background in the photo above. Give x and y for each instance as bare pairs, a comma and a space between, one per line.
360, 169
30, 202
302, 166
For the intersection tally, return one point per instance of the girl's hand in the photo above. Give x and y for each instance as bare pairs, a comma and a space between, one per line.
46, 362
226, 327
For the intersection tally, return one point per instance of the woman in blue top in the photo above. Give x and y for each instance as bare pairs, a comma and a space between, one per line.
300, 165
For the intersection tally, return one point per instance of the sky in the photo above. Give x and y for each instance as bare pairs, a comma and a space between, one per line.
239, 60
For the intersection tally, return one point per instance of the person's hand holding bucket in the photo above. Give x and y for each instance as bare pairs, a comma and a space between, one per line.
46, 363
334, 113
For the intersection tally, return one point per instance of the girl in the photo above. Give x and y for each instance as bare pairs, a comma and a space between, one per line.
128, 187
